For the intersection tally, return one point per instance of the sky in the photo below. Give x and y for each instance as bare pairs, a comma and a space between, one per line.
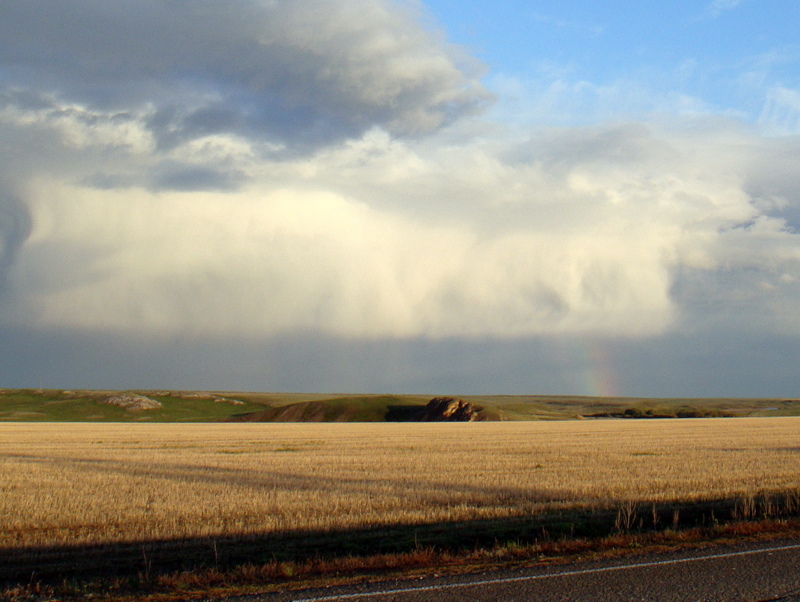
397, 196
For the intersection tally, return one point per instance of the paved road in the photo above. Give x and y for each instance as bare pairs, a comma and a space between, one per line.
752, 572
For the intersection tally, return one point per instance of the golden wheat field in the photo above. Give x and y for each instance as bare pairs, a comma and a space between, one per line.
78, 483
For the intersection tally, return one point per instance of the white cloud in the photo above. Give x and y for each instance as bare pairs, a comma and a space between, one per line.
717, 7
261, 180
781, 112
577, 27
558, 98
576, 231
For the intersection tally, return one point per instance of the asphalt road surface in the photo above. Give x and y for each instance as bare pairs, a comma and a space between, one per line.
751, 572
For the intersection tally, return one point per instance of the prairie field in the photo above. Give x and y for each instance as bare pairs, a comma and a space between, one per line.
85, 483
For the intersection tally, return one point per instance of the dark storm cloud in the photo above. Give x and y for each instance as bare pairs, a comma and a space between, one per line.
775, 179
15, 225
315, 69
171, 125
712, 365
26, 100
188, 178
170, 176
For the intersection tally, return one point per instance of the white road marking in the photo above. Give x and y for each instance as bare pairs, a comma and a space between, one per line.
607, 569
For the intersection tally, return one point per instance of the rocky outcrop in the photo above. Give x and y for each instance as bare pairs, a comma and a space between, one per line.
372, 409
205, 396
449, 409
130, 401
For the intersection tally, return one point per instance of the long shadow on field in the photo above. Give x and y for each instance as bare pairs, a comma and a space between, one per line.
269, 479
149, 558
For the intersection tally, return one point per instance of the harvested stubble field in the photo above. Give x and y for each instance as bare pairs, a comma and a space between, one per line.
69, 484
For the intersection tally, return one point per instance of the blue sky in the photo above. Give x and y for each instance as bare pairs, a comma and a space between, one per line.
396, 196
725, 56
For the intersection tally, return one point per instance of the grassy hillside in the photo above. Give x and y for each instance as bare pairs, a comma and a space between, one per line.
367, 408
29, 405
399, 408
548, 407
91, 406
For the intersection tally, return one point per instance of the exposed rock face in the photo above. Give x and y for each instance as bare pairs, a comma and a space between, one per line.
233, 402
208, 397
131, 401
439, 409
449, 409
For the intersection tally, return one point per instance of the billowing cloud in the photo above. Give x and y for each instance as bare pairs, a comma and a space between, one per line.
306, 70
599, 230
180, 170
185, 96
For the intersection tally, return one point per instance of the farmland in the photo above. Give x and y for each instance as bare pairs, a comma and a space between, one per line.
92, 499
100, 483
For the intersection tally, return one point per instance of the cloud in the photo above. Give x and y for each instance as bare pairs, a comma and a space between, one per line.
289, 71
582, 231
178, 170
14, 228
572, 26
781, 112
556, 96
718, 7
713, 364
169, 95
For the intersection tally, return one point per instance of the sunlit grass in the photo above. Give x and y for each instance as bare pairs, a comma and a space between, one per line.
79, 483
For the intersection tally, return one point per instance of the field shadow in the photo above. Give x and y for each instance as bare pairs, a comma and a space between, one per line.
150, 558
206, 474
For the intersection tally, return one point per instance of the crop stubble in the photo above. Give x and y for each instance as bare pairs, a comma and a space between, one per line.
83, 483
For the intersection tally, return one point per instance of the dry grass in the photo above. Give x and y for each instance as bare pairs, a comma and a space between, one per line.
88, 483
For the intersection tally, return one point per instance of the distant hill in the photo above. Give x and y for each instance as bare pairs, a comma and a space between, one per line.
378, 408
382, 408
37, 405
29, 405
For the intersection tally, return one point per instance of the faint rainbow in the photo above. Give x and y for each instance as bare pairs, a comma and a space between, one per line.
601, 371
